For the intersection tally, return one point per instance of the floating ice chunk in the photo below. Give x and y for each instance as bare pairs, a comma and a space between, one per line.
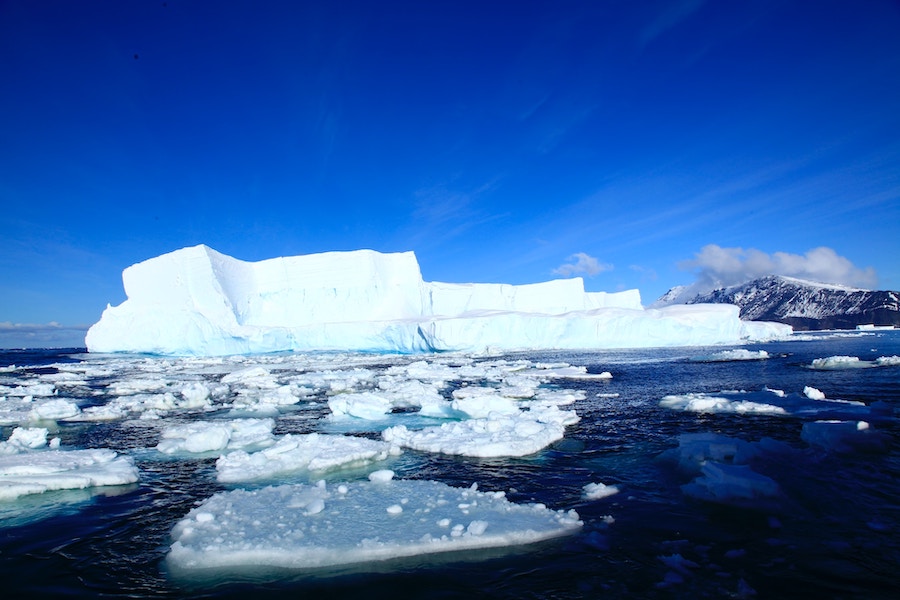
257, 376
363, 405
303, 527
596, 491
104, 412
251, 433
813, 394
34, 389
834, 363
678, 563
405, 394
39, 471
293, 453
568, 372
766, 401
27, 409
558, 397
515, 434
696, 449
478, 402
52, 410
706, 403
196, 395
136, 385
730, 484
733, 355
839, 362
720, 465
215, 436
24, 438
381, 476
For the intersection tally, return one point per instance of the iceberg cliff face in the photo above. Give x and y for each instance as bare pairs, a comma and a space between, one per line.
196, 301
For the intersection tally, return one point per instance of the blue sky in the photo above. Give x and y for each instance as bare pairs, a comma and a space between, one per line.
636, 144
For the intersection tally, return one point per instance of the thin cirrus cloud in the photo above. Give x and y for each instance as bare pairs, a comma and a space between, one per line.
582, 264
719, 267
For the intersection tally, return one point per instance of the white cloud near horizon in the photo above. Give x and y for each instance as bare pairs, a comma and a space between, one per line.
721, 267
40, 335
582, 263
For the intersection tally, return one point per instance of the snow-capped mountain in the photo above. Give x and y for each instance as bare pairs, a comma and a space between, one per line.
805, 305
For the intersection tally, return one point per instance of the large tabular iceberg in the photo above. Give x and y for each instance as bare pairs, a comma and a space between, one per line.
196, 301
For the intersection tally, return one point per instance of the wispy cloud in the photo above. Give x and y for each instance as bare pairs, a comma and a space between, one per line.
38, 335
718, 267
582, 264
669, 18
445, 211
646, 273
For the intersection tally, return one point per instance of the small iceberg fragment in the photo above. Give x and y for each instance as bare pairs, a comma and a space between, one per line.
516, 434
314, 526
730, 484
812, 402
720, 471
733, 355
35, 471
836, 363
596, 491
215, 436
839, 362
721, 403
301, 452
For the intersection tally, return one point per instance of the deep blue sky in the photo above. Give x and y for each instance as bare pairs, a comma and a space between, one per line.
498, 140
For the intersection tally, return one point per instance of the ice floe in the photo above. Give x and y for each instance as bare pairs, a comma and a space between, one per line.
596, 491
509, 431
719, 466
733, 355
217, 436
834, 363
292, 453
28, 468
770, 402
312, 526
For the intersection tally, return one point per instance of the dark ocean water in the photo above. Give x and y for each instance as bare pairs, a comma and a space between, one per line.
832, 532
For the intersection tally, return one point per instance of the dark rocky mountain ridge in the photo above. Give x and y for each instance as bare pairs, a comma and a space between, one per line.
805, 305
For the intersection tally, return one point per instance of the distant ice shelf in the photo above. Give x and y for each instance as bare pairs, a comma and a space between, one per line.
196, 301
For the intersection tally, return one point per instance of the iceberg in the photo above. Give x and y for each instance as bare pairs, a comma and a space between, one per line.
198, 302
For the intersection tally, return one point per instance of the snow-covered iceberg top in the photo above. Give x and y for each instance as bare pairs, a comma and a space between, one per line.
196, 301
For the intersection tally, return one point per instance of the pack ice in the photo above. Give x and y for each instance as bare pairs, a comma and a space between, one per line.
196, 301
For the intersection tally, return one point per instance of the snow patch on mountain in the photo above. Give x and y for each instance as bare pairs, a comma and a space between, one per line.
799, 303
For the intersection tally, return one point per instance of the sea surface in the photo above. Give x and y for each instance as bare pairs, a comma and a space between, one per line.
832, 530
